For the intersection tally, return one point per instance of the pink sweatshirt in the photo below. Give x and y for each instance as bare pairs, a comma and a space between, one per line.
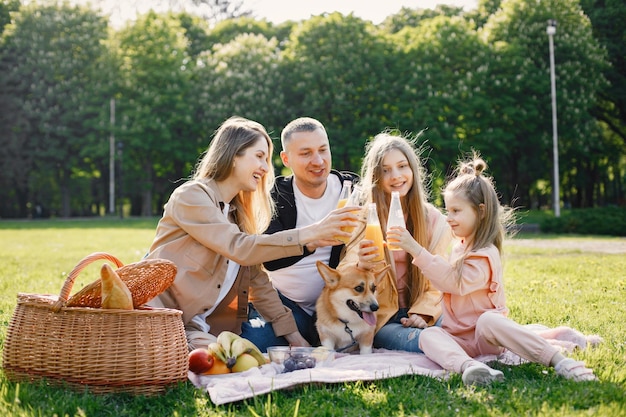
479, 289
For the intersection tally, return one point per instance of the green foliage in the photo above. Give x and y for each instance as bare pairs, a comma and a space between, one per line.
606, 19
467, 80
340, 70
239, 77
408, 17
441, 90
196, 32
227, 30
6, 8
50, 62
157, 129
609, 221
546, 283
518, 31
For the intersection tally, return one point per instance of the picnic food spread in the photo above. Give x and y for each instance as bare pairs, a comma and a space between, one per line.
230, 353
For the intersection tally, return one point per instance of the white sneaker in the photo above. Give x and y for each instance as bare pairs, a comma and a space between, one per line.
574, 370
480, 374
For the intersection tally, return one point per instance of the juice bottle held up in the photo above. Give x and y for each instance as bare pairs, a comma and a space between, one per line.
345, 193
351, 199
396, 216
373, 231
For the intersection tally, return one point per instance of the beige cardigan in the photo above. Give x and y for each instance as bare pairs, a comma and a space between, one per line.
195, 235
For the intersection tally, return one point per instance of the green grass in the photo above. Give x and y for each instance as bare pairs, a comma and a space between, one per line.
550, 286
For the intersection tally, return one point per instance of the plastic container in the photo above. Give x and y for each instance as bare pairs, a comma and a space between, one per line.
293, 358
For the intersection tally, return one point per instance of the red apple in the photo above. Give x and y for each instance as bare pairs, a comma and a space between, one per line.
200, 361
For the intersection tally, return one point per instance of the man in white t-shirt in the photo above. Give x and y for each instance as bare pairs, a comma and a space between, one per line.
306, 196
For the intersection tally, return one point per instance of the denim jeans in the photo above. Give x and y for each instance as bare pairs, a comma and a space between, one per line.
394, 336
261, 333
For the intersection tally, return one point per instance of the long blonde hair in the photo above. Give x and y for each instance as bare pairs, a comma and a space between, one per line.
414, 204
253, 209
478, 189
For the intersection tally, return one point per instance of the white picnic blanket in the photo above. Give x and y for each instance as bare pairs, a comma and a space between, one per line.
381, 364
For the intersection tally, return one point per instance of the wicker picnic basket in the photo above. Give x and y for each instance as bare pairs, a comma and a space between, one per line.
139, 351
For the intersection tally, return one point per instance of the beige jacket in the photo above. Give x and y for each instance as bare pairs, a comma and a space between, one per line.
195, 235
429, 304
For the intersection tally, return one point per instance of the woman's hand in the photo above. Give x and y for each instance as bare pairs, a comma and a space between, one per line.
401, 237
367, 253
414, 320
296, 339
326, 231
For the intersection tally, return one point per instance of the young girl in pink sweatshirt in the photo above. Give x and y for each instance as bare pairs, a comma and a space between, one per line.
475, 314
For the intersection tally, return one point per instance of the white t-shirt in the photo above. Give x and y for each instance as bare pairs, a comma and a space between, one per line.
301, 282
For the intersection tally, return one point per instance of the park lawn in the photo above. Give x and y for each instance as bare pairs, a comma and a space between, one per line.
549, 286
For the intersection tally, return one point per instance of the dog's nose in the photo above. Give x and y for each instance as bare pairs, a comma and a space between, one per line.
374, 307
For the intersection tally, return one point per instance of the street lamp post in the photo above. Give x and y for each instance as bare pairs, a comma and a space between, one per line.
112, 158
551, 30
120, 151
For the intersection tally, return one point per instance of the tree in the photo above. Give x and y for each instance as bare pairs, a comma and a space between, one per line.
518, 29
6, 7
240, 78
409, 17
227, 30
50, 59
338, 70
607, 19
484, 9
212, 11
441, 87
154, 106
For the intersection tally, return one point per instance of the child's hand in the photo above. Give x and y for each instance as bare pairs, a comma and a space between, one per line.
399, 236
414, 320
367, 253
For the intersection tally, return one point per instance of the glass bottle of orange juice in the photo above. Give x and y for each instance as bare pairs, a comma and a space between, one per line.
345, 194
373, 231
396, 216
351, 199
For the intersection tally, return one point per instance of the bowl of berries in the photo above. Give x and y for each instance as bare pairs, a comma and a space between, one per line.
293, 358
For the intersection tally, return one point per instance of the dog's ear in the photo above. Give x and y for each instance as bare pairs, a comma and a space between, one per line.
330, 275
378, 275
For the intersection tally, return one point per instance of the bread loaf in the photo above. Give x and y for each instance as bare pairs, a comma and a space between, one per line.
115, 293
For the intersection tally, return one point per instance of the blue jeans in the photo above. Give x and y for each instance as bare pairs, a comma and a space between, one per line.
261, 333
394, 336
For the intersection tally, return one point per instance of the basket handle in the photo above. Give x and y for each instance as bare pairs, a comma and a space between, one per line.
69, 281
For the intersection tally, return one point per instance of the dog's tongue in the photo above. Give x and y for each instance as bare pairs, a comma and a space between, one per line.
370, 318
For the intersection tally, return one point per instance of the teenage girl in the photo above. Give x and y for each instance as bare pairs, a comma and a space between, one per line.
408, 303
475, 314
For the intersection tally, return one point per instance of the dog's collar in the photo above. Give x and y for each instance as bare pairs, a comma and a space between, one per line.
349, 331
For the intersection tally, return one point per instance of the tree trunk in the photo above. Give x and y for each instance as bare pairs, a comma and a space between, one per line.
66, 209
146, 192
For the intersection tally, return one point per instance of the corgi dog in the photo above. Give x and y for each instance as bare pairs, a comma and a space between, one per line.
346, 308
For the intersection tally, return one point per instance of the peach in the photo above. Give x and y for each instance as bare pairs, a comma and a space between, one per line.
218, 368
